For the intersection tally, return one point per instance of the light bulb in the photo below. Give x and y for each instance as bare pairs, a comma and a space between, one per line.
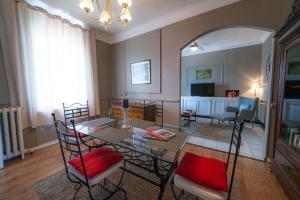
128, 3
125, 15
105, 17
86, 5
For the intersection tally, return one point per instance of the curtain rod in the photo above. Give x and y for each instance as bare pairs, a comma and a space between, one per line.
64, 20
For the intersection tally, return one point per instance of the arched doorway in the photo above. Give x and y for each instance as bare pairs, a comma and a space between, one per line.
217, 67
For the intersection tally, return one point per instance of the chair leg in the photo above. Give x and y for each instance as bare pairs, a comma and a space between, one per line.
77, 188
173, 191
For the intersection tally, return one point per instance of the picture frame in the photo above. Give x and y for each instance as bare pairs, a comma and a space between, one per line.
141, 72
232, 93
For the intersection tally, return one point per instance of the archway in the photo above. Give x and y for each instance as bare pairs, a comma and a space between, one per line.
234, 61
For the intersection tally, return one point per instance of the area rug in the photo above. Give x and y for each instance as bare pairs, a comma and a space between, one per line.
58, 187
202, 128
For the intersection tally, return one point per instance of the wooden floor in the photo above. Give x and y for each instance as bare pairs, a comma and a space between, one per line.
255, 178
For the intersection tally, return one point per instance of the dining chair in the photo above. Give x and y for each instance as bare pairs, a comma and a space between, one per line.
90, 168
79, 112
206, 177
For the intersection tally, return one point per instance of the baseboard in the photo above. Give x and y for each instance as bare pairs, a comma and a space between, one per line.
30, 150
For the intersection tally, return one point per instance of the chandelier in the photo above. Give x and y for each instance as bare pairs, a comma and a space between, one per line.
106, 15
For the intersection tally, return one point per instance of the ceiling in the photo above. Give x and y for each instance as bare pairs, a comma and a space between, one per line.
147, 15
228, 38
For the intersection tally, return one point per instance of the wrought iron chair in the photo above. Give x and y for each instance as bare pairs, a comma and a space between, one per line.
79, 112
91, 168
207, 177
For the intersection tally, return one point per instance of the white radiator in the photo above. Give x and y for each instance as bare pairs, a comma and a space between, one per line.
11, 133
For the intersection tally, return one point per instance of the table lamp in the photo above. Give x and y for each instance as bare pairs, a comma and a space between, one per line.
255, 87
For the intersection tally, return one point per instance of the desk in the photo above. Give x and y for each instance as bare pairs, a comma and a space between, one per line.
153, 156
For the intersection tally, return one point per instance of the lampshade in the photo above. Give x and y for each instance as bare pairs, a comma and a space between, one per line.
255, 86
125, 15
128, 3
86, 5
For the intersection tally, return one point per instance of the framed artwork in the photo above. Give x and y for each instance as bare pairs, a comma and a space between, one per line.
141, 72
203, 74
232, 93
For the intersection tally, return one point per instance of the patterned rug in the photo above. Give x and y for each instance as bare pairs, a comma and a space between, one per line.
58, 187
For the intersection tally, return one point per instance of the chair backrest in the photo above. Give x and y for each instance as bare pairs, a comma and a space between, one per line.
69, 143
236, 142
76, 112
252, 102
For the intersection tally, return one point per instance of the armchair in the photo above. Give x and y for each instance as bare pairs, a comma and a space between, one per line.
246, 108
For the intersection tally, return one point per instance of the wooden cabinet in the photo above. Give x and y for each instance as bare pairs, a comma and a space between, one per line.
286, 158
142, 112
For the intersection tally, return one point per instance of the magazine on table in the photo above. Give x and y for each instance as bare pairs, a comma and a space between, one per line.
154, 132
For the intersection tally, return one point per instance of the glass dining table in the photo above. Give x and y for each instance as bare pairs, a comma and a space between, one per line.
157, 157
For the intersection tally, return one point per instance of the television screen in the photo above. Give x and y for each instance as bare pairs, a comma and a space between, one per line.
203, 89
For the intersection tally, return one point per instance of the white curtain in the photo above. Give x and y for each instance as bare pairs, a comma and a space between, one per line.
57, 65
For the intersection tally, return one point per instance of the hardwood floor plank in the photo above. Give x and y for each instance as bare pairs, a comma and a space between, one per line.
256, 181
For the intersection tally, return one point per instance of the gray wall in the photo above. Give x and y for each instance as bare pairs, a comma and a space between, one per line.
269, 14
143, 47
242, 66
4, 90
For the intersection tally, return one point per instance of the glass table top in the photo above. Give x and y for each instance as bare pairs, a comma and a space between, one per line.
111, 131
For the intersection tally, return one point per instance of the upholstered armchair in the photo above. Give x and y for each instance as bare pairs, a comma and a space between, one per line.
246, 108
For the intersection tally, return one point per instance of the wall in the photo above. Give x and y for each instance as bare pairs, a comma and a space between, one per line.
269, 14
267, 46
104, 70
242, 66
4, 94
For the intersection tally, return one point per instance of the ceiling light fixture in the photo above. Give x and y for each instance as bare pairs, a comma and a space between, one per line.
106, 15
194, 46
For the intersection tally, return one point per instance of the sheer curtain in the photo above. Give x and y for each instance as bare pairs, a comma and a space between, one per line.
57, 65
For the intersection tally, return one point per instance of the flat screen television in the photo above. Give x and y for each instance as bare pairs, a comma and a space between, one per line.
203, 89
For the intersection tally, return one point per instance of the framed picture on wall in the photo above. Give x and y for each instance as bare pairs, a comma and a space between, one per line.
232, 93
141, 72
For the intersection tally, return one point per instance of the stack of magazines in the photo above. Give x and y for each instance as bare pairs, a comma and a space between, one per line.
154, 132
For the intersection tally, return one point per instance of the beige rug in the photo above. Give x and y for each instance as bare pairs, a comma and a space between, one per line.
216, 132
58, 187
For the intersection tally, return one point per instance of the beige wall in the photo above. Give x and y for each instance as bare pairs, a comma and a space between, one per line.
104, 69
270, 14
143, 47
241, 67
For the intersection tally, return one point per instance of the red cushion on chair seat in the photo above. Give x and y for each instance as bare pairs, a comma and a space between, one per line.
81, 135
96, 161
204, 171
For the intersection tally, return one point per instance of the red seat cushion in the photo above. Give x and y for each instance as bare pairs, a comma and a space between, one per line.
96, 161
204, 171
81, 135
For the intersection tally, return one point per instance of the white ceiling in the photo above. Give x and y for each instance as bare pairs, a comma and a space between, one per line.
147, 15
228, 38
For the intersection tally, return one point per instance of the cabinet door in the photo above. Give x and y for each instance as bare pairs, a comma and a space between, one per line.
190, 104
204, 107
289, 130
218, 106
